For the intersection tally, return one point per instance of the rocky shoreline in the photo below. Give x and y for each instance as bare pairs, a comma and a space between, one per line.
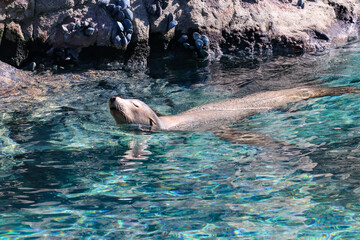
43, 34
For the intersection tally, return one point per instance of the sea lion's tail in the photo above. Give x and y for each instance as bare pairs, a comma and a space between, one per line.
333, 91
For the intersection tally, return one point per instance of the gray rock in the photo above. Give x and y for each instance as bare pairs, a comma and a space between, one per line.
48, 6
11, 79
227, 21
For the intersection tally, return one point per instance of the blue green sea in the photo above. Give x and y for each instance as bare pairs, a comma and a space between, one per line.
68, 172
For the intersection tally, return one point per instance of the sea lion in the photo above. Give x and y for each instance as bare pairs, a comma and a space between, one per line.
213, 116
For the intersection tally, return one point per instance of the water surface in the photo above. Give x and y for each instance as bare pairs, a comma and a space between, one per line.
67, 172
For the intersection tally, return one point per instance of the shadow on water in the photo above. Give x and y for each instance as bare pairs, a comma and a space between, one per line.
242, 75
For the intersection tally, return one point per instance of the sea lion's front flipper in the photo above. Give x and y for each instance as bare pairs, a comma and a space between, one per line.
251, 138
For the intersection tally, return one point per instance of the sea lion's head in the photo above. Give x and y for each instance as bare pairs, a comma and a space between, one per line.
132, 111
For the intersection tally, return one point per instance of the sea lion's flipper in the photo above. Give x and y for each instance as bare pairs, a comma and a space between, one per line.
250, 138
333, 91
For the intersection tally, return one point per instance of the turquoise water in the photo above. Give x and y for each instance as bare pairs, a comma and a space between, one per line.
67, 172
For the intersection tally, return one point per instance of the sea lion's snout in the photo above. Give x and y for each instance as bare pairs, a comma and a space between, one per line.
112, 99
112, 103
117, 109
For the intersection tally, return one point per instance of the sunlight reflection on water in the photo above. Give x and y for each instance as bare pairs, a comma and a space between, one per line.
67, 172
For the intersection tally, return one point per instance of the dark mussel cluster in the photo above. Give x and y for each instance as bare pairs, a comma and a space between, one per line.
156, 7
64, 54
300, 4
61, 56
198, 44
86, 27
120, 10
171, 22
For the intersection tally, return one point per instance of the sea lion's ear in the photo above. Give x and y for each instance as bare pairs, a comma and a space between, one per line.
152, 122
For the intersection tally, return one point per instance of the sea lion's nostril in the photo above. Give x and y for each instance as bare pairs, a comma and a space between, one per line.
112, 99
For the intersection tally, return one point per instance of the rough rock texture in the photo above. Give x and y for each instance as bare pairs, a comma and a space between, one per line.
34, 27
11, 79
